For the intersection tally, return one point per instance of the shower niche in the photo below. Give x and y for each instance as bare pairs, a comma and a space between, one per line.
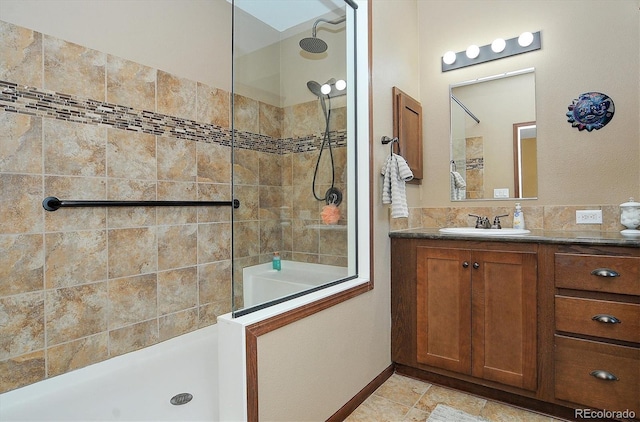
294, 149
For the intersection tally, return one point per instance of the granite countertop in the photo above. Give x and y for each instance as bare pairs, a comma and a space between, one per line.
536, 236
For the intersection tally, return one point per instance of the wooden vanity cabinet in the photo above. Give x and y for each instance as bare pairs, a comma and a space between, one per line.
597, 322
467, 308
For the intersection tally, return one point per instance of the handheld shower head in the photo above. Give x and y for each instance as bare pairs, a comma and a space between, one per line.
316, 45
314, 87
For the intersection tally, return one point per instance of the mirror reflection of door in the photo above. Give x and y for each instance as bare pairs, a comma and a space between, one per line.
525, 160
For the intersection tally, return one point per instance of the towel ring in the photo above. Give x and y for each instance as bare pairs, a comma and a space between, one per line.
386, 140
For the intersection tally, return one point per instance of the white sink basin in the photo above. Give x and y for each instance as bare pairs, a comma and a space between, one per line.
484, 232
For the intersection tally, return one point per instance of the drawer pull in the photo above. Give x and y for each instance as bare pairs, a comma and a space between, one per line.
606, 319
465, 264
603, 375
605, 272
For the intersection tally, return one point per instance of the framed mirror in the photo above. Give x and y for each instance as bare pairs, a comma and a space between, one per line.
493, 142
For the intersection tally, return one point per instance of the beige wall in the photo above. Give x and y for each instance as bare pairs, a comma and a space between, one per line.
575, 167
195, 32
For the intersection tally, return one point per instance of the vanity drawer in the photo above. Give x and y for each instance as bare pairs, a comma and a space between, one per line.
600, 273
575, 360
576, 315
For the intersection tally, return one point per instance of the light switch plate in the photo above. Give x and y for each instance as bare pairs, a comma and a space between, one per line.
589, 217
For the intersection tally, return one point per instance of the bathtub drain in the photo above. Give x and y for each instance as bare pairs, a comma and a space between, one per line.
182, 398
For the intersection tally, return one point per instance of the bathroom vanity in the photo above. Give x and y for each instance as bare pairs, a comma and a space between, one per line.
548, 321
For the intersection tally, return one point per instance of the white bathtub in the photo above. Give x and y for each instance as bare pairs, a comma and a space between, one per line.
261, 283
137, 386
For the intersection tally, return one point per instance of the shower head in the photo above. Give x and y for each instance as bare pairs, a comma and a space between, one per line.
314, 44
314, 87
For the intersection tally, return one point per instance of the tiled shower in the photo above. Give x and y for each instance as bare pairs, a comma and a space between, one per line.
78, 286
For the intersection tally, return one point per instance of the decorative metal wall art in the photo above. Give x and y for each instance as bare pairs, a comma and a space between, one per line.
591, 110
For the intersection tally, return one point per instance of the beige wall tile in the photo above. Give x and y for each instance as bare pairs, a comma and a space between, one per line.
77, 354
133, 337
246, 114
177, 246
177, 324
214, 242
244, 241
213, 106
21, 263
270, 118
22, 324
214, 282
303, 120
21, 52
177, 290
75, 258
20, 143
23, 214
22, 370
75, 312
132, 300
131, 155
132, 251
74, 149
73, 69
213, 163
131, 84
176, 96
246, 169
176, 160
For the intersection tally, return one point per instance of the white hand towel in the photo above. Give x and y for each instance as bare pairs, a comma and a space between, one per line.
396, 172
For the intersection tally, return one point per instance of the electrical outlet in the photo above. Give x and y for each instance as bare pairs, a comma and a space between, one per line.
501, 193
589, 217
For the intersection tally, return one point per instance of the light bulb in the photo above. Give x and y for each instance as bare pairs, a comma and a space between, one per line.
498, 45
341, 84
473, 51
525, 39
325, 89
449, 57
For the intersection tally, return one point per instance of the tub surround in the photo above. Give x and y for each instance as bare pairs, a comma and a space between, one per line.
80, 286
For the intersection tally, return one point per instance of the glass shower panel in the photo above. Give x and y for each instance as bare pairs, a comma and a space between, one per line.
292, 162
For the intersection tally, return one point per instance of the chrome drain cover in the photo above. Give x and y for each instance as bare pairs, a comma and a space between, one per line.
180, 399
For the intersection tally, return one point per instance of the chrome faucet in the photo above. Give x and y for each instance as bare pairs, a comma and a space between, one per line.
484, 222
481, 222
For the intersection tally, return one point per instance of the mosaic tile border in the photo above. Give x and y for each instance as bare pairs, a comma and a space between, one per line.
15, 98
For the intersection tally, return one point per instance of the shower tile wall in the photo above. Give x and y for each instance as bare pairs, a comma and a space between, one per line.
81, 285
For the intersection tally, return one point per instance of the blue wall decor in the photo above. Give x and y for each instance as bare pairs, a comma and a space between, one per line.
591, 110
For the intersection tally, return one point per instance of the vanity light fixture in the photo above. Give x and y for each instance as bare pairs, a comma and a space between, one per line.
473, 51
498, 49
334, 88
449, 57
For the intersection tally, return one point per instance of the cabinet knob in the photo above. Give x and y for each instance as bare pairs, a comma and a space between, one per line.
476, 265
605, 272
606, 319
603, 375
465, 264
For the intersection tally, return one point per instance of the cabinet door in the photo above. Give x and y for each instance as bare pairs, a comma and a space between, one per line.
504, 317
444, 308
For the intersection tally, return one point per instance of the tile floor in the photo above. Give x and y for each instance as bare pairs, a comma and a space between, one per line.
406, 399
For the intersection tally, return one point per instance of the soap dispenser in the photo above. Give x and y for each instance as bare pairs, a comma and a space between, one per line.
518, 218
